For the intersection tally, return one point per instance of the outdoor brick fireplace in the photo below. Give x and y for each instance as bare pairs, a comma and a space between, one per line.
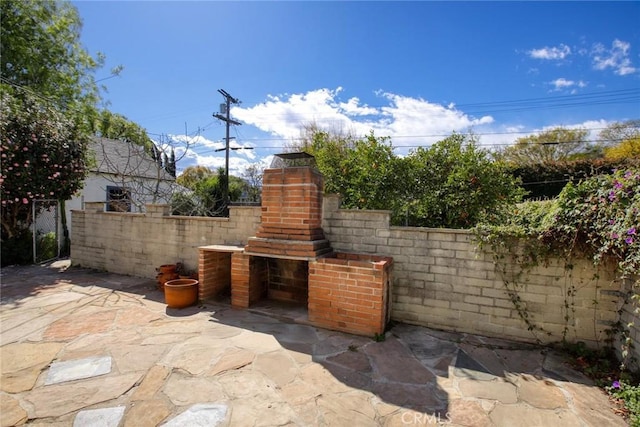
289, 259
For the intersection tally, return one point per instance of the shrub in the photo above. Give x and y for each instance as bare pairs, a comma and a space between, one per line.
455, 184
602, 215
47, 246
597, 218
546, 180
17, 249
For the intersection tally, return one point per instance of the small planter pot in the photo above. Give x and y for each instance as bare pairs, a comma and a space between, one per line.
167, 268
166, 272
180, 293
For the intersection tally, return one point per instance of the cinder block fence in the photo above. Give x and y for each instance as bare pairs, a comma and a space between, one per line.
439, 279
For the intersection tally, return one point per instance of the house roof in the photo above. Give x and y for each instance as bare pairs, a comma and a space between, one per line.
117, 157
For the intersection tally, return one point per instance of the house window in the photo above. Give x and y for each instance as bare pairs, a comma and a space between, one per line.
118, 199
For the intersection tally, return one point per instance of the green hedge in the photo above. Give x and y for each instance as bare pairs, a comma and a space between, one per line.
546, 181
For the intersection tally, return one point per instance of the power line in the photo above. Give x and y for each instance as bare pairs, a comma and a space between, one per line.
521, 101
399, 147
622, 96
228, 121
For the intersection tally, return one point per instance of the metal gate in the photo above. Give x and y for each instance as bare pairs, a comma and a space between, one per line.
46, 244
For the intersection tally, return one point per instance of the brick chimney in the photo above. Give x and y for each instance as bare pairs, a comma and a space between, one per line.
291, 220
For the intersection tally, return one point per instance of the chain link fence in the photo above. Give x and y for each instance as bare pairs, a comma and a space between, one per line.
45, 230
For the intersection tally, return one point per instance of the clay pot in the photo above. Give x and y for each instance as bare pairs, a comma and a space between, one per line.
167, 268
166, 272
180, 293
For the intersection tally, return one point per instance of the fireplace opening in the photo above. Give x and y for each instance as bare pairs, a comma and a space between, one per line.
288, 280
256, 279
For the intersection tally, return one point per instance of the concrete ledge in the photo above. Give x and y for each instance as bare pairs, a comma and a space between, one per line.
222, 248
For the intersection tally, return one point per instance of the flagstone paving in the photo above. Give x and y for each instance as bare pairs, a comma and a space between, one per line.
86, 348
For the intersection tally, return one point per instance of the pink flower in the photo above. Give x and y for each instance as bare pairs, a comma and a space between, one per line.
25, 201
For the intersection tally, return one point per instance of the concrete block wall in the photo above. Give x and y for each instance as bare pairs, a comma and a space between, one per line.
439, 278
137, 244
442, 281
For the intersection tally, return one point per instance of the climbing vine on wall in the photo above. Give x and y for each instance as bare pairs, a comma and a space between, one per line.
596, 219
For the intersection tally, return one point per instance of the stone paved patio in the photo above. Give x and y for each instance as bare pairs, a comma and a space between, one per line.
80, 347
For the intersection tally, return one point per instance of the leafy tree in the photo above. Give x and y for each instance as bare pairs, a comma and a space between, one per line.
171, 166
48, 99
621, 140
253, 177
451, 184
455, 184
193, 175
629, 148
618, 132
116, 126
206, 198
42, 54
363, 171
558, 144
42, 155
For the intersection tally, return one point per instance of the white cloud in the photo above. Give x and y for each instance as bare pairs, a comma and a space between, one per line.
285, 115
399, 117
551, 53
564, 84
237, 165
408, 121
200, 151
352, 108
616, 58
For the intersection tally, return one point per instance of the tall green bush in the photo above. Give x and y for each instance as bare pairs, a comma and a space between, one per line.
455, 184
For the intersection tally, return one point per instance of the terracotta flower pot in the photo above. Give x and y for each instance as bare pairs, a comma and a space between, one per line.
167, 268
180, 293
166, 272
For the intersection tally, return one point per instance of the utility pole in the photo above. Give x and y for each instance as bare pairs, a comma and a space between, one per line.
229, 121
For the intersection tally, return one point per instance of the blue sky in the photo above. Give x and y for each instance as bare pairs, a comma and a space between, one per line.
414, 71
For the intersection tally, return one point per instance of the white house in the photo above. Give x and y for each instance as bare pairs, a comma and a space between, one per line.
124, 177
